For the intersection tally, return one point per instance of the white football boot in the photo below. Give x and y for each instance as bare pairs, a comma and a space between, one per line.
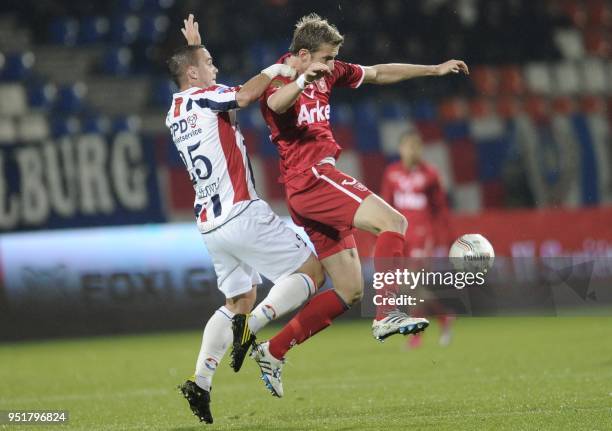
270, 367
398, 322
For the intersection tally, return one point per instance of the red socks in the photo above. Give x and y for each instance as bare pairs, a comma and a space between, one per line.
387, 253
315, 316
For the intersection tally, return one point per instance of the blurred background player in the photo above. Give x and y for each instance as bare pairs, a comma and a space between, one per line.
327, 202
413, 187
242, 234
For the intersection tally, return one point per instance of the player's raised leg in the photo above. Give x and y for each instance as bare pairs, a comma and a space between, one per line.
286, 295
344, 269
378, 217
267, 244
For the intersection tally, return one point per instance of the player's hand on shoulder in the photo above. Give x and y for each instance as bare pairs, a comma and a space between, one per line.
316, 71
452, 66
191, 31
279, 70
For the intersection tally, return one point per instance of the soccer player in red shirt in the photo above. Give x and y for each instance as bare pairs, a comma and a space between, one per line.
412, 186
327, 202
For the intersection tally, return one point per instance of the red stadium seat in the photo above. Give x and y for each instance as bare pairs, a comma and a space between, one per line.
464, 161
345, 136
563, 105
598, 13
453, 109
537, 107
274, 189
480, 107
597, 42
372, 167
485, 80
511, 82
576, 12
493, 194
181, 198
592, 105
252, 139
430, 131
507, 107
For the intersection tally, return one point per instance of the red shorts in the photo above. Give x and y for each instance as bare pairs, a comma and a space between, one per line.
324, 200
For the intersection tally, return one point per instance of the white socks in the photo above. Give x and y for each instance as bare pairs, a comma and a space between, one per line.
285, 296
215, 342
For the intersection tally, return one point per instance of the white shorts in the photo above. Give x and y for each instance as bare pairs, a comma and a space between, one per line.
256, 241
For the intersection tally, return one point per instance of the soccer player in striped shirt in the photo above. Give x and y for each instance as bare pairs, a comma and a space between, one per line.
242, 234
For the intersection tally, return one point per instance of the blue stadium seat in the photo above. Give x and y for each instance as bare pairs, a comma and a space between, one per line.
118, 61
94, 123
125, 6
154, 28
124, 29
71, 98
458, 129
65, 125
366, 127
394, 110
94, 29
41, 95
342, 114
18, 66
266, 147
251, 117
162, 92
263, 54
492, 155
129, 123
64, 31
423, 110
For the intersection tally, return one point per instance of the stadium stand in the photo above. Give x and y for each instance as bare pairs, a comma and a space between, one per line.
539, 93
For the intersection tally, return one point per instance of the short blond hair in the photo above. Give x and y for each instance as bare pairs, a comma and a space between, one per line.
311, 31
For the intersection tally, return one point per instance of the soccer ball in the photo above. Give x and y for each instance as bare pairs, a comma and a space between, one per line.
472, 252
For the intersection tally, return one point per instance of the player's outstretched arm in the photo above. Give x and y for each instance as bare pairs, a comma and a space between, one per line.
255, 87
395, 72
285, 97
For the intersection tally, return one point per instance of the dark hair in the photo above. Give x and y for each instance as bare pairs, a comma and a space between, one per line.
178, 62
311, 31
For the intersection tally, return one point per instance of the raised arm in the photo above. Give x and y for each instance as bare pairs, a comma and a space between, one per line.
191, 31
395, 72
254, 87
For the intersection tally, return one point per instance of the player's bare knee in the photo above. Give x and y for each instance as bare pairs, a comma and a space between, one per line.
402, 224
395, 222
242, 304
351, 291
313, 268
318, 276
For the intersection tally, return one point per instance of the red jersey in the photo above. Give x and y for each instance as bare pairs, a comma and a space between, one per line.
303, 133
418, 194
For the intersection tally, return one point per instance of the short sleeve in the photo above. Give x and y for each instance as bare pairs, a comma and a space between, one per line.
217, 98
275, 84
347, 74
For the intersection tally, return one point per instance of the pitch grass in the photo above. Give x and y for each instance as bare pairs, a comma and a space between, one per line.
499, 374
